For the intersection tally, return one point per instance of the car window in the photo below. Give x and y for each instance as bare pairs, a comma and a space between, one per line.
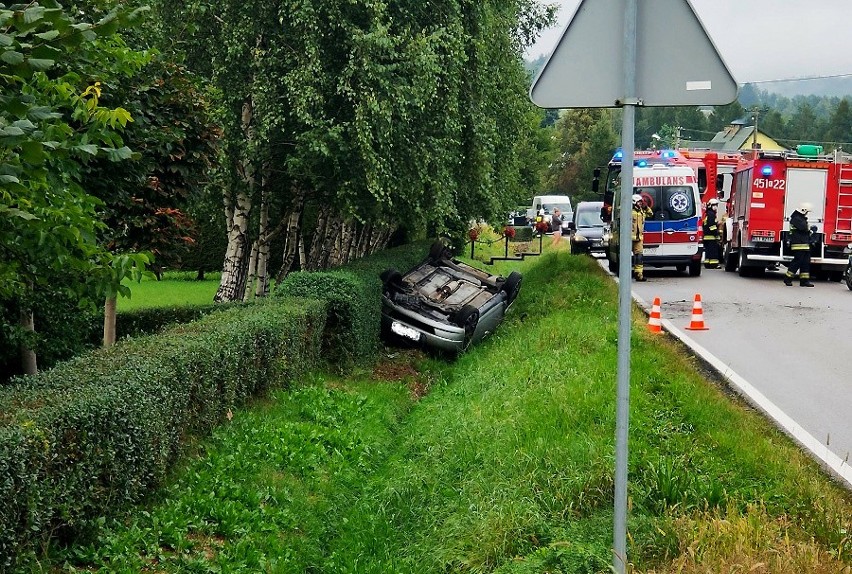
589, 218
669, 202
563, 207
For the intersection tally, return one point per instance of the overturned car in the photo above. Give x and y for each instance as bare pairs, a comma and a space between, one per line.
443, 303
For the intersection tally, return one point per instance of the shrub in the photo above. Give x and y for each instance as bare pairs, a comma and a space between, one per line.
353, 297
97, 433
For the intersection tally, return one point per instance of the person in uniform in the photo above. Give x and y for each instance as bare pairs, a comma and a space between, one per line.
710, 227
800, 245
640, 212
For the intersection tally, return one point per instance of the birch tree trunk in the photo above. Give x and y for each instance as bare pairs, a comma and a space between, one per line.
28, 356
264, 238
292, 245
237, 212
250, 273
109, 321
317, 241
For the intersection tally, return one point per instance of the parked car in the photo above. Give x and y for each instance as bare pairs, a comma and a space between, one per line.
444, 304
587, 228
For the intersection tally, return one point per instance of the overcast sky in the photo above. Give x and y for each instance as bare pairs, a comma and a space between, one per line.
761, 40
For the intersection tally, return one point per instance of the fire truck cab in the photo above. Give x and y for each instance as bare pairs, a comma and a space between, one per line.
765, 191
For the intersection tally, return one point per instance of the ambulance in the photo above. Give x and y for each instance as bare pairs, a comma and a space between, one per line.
672, 235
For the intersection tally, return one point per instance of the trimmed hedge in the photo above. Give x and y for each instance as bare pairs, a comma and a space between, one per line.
353, 293
95, 434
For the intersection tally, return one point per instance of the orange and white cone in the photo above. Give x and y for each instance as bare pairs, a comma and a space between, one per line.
655, 322
697, 323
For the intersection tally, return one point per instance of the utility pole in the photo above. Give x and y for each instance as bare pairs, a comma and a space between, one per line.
754, 145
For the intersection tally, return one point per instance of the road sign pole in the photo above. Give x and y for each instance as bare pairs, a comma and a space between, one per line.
625, 301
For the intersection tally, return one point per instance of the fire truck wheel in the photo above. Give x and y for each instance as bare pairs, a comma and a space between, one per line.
730, 259
742, 264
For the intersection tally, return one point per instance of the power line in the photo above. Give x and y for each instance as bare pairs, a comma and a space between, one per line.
801, 79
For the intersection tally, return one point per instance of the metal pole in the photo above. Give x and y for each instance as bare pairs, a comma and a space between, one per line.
619, 559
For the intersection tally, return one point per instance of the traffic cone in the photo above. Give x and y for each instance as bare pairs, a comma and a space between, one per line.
654, 319
697, 323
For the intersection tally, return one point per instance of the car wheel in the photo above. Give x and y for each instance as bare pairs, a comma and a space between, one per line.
612, 264
695, 269
680, 268
467, 317
390, 278
511, 286
438, 251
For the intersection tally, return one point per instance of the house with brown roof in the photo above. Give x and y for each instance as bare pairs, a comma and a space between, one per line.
737, 136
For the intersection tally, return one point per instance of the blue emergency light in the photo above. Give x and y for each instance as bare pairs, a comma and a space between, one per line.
618, 154
766, 171
641, 163
668, 153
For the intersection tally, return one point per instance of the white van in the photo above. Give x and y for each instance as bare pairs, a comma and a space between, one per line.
548, 203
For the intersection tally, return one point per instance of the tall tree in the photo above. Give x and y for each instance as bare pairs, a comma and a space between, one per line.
341, 119
51, 126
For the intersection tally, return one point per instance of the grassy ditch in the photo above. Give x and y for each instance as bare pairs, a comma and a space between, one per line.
500, 462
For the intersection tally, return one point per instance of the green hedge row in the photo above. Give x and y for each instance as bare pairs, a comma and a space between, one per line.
353, 293
98, 432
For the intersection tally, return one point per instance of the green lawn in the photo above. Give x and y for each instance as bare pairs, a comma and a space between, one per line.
176, 289
499, 462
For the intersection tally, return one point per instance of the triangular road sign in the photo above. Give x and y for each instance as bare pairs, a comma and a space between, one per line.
676, 61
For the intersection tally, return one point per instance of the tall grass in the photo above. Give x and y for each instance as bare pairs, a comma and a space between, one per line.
504, 466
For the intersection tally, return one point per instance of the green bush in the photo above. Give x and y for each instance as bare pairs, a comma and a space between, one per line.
95, 434
524, 233
135, 322
353, 295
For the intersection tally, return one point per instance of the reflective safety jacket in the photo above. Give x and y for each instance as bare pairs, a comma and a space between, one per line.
800, 235
709, 225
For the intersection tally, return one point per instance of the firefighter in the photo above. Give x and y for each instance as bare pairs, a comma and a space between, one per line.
710, 228
640, 212
800, 245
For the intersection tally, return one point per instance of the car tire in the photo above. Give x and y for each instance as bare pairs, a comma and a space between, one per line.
438, 251
848, 277
695, 269
390, 278
511, 286
467, 317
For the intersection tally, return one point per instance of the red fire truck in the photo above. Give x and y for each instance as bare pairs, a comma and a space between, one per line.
766, 189
708, 165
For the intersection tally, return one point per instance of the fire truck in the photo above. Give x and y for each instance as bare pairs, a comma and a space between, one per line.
672, 235
708, 166
766, 189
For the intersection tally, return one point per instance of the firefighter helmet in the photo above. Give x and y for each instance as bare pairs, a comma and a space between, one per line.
637, 198
713, 202
805, 208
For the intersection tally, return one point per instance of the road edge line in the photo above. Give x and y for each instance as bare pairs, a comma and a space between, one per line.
828, 459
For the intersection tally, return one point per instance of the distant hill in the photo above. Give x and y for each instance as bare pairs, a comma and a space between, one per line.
832, 87
839, 87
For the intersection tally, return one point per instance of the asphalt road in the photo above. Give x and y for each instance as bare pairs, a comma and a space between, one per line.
788, 350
